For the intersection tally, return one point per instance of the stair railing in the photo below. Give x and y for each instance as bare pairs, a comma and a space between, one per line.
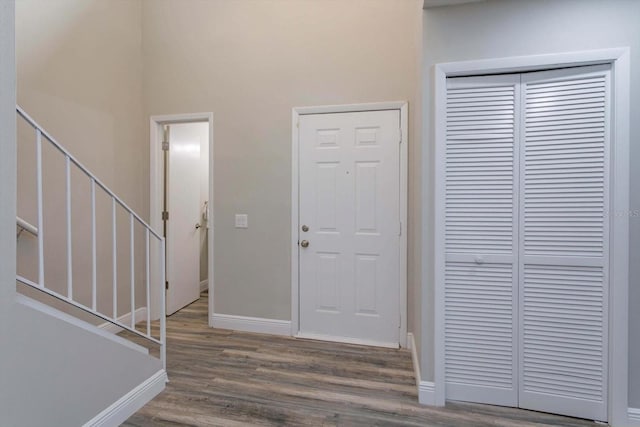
25, 226
39, 232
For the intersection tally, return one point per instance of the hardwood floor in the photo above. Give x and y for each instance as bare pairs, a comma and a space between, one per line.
227, 378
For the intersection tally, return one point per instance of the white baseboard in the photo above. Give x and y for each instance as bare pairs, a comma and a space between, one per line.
251, 324
204, 285
125, 319
426, 389
634, 416
131, 402
346, 340
427, 393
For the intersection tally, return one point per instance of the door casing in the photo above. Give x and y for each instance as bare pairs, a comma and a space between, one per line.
619, 58
403, 108
155, 183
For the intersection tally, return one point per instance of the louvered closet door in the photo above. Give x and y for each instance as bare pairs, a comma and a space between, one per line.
564, 246
480, 230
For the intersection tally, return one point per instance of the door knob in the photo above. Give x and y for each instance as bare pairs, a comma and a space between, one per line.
305, 228
304, 243
198, 226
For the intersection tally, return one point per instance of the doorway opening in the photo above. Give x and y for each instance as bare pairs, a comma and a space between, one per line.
181, 204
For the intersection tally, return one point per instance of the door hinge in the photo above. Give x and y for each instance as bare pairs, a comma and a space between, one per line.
400, 136
165, 216
166, 285
400, 229
165, 138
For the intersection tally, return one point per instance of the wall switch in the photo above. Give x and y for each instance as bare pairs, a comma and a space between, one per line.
242, 221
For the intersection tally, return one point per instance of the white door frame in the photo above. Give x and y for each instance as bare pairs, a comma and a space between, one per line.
403, 108
618, 212
155, 183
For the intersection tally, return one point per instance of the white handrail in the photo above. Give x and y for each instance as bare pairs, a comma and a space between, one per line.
26, 226
84, 169
132, 216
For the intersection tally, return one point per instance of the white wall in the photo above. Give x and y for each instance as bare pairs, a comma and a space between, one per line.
501, 28
250, 62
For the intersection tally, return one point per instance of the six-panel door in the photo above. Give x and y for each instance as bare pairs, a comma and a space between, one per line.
349, 196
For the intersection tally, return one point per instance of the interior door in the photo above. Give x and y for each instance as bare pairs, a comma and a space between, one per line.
183, 205
564, 246
480, 230
349, 231
527, 240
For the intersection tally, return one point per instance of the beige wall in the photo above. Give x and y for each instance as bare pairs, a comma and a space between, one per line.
500, 28
93, 71
249, 62
79, 66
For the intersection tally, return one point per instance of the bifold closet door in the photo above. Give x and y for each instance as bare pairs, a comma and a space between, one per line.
480, 231
526, 240
563, 252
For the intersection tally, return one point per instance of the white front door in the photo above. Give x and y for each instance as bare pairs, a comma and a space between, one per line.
183, 205
349, 214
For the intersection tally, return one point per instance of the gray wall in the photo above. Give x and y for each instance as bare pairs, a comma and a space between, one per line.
500, 28
7, 187
250, 62
63, 375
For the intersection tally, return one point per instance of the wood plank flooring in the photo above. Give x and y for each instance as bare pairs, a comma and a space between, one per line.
227, 378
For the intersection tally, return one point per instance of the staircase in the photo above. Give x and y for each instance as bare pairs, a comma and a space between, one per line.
124, 299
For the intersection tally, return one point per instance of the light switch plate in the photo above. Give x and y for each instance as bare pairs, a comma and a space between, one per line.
242, 221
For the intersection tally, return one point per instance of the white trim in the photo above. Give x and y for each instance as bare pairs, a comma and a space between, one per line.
634, 417
125, 319
619, 251
251, 324
426, 389
348, 108
404, 220
411, 345
204, 285
130, 403
428, 4
156, 178
295, 221
403, 107
427, 393
346, 340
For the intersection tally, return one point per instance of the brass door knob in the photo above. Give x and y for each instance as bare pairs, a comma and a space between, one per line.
304, 243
